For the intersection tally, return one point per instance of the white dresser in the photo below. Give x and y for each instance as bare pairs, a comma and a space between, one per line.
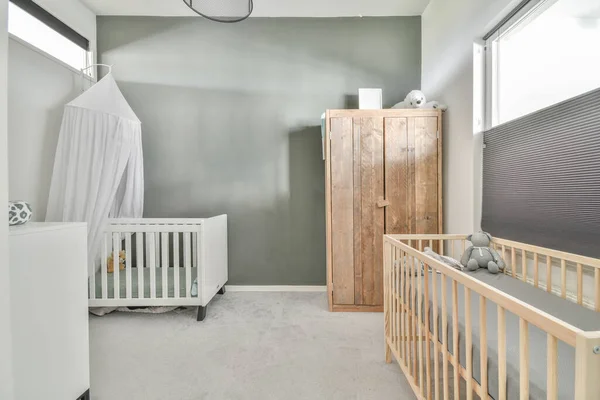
48, 280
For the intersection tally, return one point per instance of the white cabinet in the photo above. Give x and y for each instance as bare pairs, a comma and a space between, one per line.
49, 311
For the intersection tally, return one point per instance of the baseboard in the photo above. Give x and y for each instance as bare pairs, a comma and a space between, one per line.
275, 288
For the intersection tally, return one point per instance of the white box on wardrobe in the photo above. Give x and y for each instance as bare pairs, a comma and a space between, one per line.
370, 99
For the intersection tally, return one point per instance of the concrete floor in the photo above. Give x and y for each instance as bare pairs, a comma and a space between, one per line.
251, 346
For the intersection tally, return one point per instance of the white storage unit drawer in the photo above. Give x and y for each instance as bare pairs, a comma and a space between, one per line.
49, 310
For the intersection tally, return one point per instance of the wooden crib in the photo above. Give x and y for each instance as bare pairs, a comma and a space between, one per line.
424, 323
167, 262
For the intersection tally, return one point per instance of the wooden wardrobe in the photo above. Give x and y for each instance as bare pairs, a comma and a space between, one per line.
383, 175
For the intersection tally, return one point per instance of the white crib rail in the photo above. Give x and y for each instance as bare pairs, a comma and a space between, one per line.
156, 244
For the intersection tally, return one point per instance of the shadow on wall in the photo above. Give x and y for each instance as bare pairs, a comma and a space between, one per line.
285, 55
231, 121
211, 152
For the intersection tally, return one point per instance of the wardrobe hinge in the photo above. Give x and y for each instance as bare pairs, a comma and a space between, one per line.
437, 134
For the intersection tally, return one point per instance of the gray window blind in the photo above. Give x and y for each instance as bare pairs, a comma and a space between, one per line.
541, 177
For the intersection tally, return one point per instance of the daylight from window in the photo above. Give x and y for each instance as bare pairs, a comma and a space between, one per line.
548, 59
33, 31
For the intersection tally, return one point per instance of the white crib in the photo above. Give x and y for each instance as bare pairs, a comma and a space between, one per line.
168, 262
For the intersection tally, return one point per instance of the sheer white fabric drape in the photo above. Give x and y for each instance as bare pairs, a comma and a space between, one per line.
98, 168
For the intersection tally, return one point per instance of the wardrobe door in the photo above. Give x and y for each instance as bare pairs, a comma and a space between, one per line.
368, 211
423, 138
397, 211
342, 209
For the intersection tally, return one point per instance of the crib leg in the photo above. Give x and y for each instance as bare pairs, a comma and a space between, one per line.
201, 313
222, 290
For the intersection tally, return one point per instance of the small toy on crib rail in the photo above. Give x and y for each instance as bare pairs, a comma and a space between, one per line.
110, 265
417, 99
480, 255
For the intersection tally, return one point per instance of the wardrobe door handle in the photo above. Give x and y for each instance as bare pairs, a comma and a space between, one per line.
382, 202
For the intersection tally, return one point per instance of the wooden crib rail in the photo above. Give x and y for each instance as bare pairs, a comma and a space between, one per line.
570, 276
411, 339
560, 329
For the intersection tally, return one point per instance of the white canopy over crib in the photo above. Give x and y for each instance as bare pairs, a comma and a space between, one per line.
98, 169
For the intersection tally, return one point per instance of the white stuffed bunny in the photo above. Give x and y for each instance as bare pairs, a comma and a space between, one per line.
415, 99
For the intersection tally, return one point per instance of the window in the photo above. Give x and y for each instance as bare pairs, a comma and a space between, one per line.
545, 53
32, 24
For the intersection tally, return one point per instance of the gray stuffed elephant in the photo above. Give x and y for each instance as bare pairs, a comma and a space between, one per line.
480, 255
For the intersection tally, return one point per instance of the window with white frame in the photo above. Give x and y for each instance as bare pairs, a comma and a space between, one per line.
547, 52
30, 23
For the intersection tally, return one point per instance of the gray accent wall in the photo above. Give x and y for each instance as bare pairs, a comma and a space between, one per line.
231, 121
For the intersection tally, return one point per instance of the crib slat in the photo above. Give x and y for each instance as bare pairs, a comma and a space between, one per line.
390, 308
194, 250
549, 274
513, 262
446, 347
116, 272
420, 332
483, 353
187, 262
397, 305
552, 365
579, 284
536, 270
402, 307
157, 248
420, 245
104, 272
524, 359
164, 266
468, 343
455, 339
426, 333
563, 278
413, 316
128, 255
501, 353
597, 288
388, 264
436, 351
139, 255
151, 246
176, 287
407, 311
524, 265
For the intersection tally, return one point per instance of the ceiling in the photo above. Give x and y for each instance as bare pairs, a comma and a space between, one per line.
267, 8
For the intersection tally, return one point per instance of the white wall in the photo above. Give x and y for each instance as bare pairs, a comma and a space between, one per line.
449, 29
38, 89
6, 377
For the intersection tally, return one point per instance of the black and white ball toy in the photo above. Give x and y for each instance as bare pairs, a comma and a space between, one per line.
19, 212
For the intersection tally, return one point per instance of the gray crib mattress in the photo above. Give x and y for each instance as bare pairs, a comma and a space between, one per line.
565, 310
146, 284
